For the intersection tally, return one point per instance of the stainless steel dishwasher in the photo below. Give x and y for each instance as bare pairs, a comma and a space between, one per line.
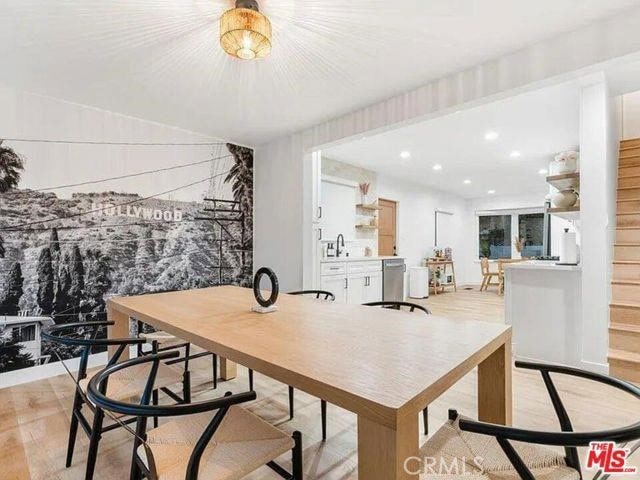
393, 279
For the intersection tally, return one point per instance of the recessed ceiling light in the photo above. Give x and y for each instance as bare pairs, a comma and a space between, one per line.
405, 154
491, 135
515, 154
467, 182
543, 171
491, 192
437, 167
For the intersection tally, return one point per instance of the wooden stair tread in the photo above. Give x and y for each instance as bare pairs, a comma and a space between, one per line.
628, 200
626, 262
628, 188
625, 327
628, 306
629, 244
627, 213
624, 356
627, 228
625, 282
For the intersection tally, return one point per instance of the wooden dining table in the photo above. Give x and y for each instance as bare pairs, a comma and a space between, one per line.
383, 365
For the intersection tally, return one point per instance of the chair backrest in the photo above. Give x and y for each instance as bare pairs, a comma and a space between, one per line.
567, 437
393, 305
96, 391
87, 337
484, 265
317, 293
503, 261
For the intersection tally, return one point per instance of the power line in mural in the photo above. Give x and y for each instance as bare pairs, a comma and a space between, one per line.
137, 174
115, 225
127, 144
110, 207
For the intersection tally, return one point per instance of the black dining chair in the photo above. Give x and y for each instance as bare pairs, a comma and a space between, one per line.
162, 341
509, 452
88, 338
211, 439
320, 295
411, 307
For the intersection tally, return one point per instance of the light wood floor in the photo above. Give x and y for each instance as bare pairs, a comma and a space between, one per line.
34, 418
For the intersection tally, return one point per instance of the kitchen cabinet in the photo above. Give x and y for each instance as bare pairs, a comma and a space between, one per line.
354, 282
336, 284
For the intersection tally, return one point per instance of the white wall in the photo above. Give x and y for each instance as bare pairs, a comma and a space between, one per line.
416, 220
631, 115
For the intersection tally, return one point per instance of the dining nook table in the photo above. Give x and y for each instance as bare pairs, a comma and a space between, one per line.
383, 365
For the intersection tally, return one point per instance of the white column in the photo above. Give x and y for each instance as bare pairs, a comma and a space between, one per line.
598, 166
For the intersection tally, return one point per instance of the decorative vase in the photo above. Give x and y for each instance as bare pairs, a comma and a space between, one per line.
564, 199
564, 162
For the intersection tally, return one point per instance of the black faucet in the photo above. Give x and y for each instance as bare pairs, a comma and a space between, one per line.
340, 237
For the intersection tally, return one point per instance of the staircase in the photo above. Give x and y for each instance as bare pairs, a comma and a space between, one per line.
624, 330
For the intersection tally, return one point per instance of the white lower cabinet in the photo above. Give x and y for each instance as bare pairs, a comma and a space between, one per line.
336, 284
361, 282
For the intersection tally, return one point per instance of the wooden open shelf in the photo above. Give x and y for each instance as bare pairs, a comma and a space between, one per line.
565, 181
366, 227
368, 206
569, 213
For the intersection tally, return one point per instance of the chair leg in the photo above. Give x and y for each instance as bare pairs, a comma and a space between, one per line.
214, 361
250, 380
136, 472
323, 413
296, 456
96, 434
154, 401
73, 429
425, 420
186, 386
290, 403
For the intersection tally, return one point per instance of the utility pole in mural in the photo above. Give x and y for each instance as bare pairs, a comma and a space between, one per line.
64, 250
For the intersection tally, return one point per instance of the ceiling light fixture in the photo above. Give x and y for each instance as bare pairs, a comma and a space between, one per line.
515, 154
245, 33
437, 167
491, 192
467, 182
405, 154
491, 136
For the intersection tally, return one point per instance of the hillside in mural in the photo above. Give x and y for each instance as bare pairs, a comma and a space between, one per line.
61, 258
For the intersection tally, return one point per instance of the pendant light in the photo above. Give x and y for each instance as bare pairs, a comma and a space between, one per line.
245, 33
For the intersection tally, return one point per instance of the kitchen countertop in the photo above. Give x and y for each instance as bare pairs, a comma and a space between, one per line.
356, 259
542, 265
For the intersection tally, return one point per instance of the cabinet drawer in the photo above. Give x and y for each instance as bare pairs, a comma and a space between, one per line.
362, 267
337, 268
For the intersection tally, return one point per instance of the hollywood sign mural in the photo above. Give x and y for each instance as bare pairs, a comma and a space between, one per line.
134, 211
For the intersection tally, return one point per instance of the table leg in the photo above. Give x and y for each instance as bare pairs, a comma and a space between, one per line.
228, 369
120, 329
495, 402
388, 453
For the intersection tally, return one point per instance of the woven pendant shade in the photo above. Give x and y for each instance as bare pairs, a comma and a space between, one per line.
245, 33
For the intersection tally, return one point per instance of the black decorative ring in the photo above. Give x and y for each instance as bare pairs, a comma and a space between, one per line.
274, 287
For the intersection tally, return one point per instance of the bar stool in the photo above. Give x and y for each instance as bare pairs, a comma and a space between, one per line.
85, 335
213, 439
412, 307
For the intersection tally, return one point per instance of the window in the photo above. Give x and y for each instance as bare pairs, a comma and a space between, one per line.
531, 233
494, 236
26, 333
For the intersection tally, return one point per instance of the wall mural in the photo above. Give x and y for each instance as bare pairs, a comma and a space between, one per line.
64, 250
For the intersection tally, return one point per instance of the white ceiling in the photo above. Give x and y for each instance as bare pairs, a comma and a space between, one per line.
160, 59
537, 124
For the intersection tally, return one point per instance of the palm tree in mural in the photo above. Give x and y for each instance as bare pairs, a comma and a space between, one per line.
241, 174
10, 166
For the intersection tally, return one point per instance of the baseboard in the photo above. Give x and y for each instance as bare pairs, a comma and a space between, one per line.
595, 367
40, 372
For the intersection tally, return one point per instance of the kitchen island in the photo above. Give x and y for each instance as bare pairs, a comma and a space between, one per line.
543, 304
